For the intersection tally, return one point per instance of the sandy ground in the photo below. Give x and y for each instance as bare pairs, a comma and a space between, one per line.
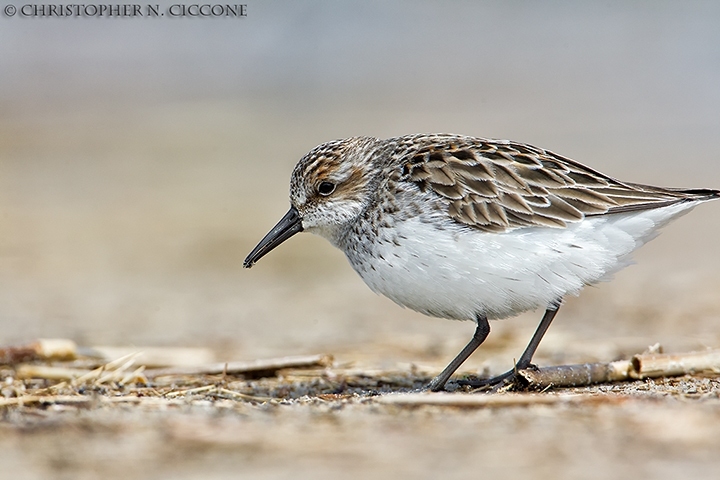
646, 433
132, 185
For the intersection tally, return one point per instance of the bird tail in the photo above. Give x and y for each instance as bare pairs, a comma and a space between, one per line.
698, 193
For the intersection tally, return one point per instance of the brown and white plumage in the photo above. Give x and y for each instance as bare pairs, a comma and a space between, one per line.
469, 228
499, 185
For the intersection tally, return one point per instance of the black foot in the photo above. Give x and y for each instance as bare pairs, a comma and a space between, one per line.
509, 380
433, 386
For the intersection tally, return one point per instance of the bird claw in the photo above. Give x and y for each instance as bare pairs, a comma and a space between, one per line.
508, 381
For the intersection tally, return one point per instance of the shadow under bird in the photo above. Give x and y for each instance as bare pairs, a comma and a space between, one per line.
472, 229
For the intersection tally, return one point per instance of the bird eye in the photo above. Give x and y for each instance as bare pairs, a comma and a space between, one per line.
326, 188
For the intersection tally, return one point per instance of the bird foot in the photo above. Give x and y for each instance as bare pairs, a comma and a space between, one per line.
508, 381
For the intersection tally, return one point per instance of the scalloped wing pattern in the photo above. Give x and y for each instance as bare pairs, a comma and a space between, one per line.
498, 186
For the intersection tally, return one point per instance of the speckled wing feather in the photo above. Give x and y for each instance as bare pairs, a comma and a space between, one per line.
497, 185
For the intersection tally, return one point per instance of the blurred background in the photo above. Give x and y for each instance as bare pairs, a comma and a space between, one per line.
141, 159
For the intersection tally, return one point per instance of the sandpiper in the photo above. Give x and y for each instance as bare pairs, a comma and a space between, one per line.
470, 228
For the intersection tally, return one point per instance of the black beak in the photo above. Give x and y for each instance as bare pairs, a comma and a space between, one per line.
290, 224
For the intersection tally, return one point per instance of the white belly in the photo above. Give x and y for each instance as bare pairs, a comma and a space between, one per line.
459, 273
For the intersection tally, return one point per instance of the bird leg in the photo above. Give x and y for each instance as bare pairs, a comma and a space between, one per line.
525, 358
481, 333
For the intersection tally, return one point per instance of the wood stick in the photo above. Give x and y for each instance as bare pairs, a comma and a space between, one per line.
576, 375
254, 367
42, 349
648, 365
670, 365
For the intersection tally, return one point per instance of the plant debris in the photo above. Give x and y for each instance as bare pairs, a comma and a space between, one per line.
58, 373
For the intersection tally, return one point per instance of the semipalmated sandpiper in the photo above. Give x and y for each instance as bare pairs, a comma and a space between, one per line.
472, 229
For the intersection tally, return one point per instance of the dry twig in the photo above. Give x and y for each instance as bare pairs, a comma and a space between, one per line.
575, 375
670, 365
115, 371
42, 349
255, 367
649, 365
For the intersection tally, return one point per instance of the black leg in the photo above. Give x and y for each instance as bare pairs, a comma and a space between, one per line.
527, 355
481, 333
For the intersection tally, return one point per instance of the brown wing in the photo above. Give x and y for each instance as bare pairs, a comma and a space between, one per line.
496, 186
